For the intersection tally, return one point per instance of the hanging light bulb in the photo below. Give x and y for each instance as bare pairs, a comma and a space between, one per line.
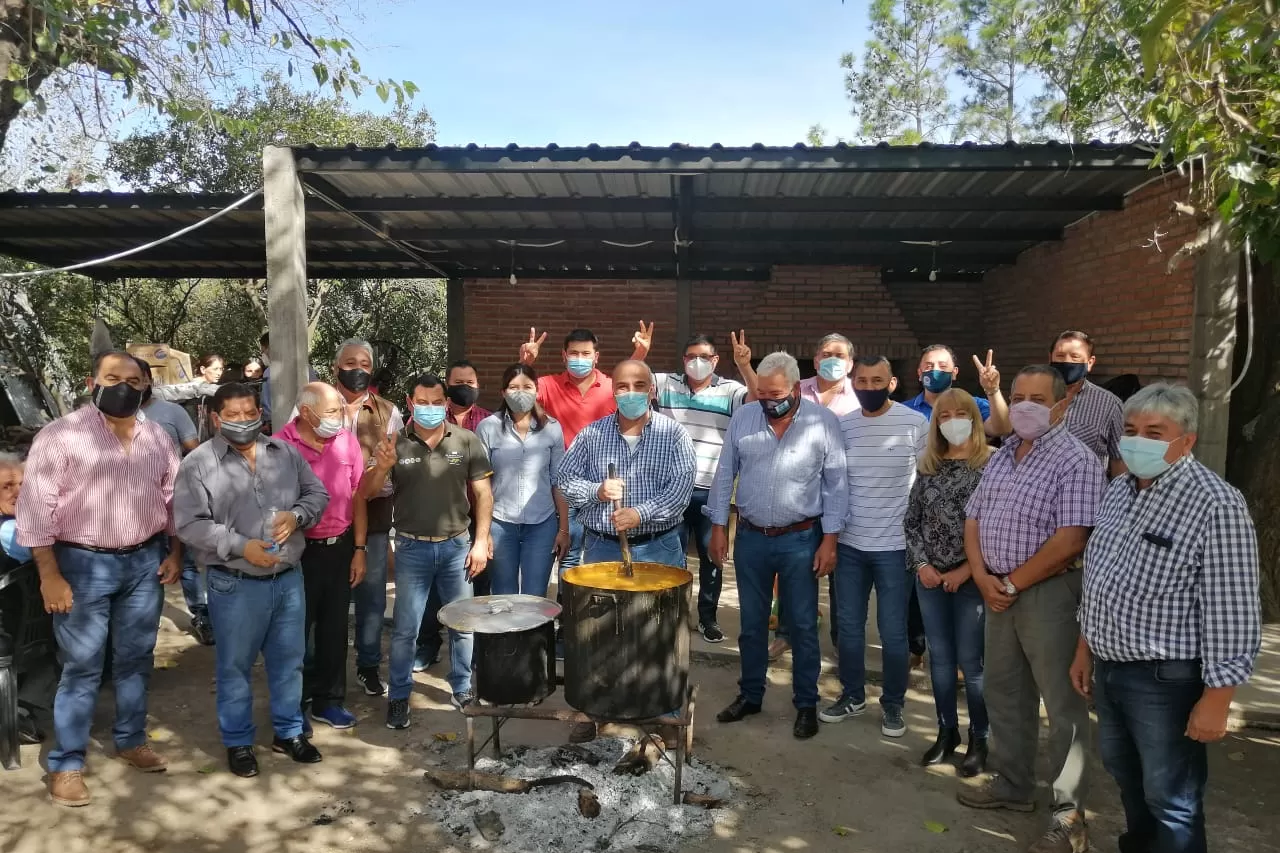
933, 276
514, 281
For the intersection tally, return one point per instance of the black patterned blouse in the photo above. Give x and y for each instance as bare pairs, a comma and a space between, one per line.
935, 515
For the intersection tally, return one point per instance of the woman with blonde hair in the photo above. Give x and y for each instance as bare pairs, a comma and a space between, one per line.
953, 610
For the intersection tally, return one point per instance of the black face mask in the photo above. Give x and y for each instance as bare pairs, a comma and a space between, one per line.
872, 401
778, 408
1071, 371
355, 379
463, 396
117, 401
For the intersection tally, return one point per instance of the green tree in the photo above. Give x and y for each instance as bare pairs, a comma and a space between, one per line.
899, 88
995, 53
165, 54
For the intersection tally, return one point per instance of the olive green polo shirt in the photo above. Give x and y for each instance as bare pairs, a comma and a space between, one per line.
431, 483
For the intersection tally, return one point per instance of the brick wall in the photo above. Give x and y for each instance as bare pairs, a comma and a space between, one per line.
1101, 279
942, 312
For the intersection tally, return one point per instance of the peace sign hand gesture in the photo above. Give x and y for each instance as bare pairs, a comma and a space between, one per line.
529, 350
988, 375
741, 352
643, 341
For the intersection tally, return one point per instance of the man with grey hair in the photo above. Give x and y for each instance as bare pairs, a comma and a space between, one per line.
1026, 525
1169, 620
787, 456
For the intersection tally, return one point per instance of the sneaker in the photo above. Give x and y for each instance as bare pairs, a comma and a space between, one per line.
711, 632
335, 716
202, 630
995, 795
842, 710
425, 658
370, 680
462, 698
1069, 834
398, 714
892, 724
777, 648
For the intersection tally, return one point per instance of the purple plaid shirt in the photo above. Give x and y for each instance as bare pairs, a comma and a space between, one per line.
1018, 506
1096, 417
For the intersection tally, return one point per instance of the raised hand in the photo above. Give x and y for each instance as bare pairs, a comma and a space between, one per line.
741, 352
529, 349
642, 340
988, 375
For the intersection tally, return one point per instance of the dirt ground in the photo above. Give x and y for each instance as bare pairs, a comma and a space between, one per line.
848, 790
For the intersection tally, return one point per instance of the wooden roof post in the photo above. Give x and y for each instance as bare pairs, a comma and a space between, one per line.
286, 244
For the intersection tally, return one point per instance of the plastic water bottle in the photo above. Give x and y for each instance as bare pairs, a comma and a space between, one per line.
269, 523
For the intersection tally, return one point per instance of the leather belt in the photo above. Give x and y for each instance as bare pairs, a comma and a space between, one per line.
117, 552
772, 532
246, 576
417, 538
332, 540
633, 540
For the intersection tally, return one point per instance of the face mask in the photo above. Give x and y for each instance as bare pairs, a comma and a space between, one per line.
957, 430
428, 417
1144, 457
872, 401
778, 408
936, 381
328, 427
698, 369
354, 379
462, 396
580, 367
1071, 371
117, 401
833, 369
632, 405
520, 402
240, 433
1030, 419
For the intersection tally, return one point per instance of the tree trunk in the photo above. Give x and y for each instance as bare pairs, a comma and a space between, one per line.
18, 19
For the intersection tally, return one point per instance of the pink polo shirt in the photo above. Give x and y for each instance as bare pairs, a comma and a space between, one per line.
340, 465
844, 402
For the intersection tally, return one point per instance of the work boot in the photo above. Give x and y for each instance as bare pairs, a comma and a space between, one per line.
995, 795
67, 788
1068, 834
144, 759
975, 758
943, 747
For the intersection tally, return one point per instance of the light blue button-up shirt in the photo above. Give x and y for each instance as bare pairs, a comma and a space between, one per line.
523, 468
782, 481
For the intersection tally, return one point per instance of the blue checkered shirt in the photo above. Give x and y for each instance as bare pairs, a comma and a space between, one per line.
1192, 593
658, 475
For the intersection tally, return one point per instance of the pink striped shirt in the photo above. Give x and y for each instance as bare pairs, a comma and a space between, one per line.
340, 466
81, 486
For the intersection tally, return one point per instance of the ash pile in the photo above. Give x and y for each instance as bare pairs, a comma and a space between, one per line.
611, 794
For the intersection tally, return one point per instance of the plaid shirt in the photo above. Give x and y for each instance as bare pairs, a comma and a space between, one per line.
659, 474
1192, 592
1096, 417
1019, 505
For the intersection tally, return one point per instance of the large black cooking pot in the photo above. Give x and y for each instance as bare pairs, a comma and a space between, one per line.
626, 642
514, 658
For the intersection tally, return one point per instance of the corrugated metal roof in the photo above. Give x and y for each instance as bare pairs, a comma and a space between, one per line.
623, 212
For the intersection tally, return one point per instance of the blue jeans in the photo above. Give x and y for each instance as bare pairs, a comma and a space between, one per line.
665, 550
784, 634
194, 588
252, 616
886, 571
576, 532
757, 560
370, 597
418, 566
120, 593
698, 526
1143, 709
953, 624
522, 556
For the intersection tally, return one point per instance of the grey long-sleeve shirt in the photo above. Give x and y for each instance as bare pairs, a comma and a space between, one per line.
219, 504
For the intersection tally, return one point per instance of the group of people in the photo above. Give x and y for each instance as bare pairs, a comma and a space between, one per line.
1033, 577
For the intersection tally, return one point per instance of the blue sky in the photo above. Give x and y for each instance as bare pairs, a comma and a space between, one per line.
575, 72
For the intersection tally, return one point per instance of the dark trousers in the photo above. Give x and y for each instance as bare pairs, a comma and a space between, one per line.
1143, 708
326, 574
697, 526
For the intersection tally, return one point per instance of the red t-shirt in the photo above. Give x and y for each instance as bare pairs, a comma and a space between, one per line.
559, 395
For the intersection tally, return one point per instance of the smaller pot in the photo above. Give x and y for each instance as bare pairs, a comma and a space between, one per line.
514, 661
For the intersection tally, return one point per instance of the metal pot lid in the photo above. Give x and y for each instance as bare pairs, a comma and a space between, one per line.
498, 614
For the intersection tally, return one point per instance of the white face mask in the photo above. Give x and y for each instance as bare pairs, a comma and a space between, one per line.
956, 431
328, 427
698, 369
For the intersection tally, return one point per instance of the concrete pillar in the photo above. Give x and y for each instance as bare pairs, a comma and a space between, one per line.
1213, 341
285, 211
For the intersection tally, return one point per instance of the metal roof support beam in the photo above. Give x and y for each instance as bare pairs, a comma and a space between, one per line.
684, 235
724, 204
455, 312
286, 243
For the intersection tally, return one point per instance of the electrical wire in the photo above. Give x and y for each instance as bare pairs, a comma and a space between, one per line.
1248, 301
130, 252
513, 244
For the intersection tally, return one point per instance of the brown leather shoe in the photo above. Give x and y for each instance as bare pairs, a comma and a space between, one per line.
67, 788
143, 758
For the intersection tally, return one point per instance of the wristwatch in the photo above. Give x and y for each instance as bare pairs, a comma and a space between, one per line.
361, 548
1009, 587
298, 517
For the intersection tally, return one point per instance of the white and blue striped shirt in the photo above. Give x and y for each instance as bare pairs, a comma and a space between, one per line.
705, 415
881, 453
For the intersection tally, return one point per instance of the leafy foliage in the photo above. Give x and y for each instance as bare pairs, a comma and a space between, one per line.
995, 53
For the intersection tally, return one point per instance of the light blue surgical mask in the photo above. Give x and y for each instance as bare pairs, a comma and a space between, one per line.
428, 417
833, 369
580, 367
632, 404
1144, 457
